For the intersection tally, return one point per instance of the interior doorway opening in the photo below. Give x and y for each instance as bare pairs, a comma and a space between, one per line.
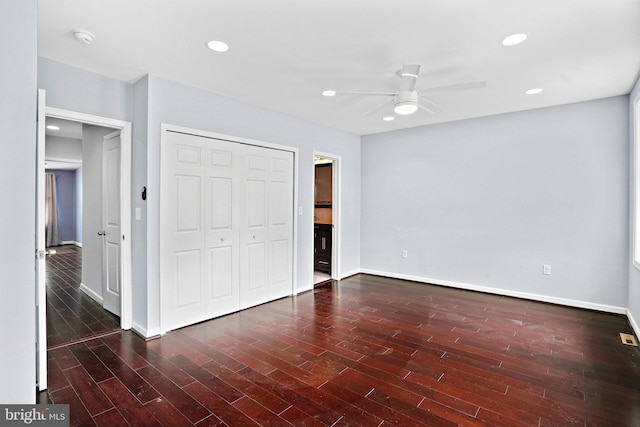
123, 207
325, 217
73, 214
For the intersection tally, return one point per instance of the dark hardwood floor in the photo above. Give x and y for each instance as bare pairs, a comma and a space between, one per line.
71, 314
366, 351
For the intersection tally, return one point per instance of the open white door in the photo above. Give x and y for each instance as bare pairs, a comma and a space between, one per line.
41, 289
112, 233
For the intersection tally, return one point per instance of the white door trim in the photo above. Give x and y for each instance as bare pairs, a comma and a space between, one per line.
335, 211
41, 287
126, 303
164, 128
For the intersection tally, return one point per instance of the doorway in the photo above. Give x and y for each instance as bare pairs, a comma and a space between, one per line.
77, 176
325, 217
123, 183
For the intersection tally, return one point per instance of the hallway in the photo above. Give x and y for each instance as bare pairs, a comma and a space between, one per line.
72, 316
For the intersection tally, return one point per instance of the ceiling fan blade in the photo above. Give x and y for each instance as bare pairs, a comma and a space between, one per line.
352, 92
422, 107
409, 77
460, 86
377, 108
430, 102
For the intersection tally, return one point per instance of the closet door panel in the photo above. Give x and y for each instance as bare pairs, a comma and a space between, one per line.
280, 223
181, 252
221, 281
253, 211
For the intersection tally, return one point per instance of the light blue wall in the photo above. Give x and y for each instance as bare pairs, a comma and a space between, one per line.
486, 202
73, 89
152, 101
176, 104
78, 205
66, 194
18, 94
139, 180
634, 273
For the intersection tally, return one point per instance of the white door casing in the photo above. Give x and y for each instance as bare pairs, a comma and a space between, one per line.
112, 224
336, 209
215, 210
41, 288
126, 306
126, 318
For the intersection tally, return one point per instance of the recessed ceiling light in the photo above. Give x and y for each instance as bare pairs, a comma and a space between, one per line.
52, 127
329, 93
533, 91
218, 46
514, 39
84, 36
388, 118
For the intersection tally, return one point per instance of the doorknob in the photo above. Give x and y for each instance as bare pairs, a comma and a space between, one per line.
102, 233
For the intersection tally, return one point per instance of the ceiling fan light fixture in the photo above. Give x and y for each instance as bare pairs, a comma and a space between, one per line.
405, 108
514, 39
406, 102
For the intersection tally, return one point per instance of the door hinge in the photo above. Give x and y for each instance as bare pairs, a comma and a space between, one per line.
40, 254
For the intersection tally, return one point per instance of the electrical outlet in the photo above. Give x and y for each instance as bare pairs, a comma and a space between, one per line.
546, 269
405, 254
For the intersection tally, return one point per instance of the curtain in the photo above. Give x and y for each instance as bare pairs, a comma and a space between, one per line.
52, 226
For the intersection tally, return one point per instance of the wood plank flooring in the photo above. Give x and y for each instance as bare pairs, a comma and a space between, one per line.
366, 351
71, 314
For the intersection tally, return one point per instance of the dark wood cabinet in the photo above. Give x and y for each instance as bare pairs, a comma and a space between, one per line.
323, 184
322, 244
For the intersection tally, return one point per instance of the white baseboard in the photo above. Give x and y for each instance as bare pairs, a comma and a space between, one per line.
93, 294
504, 292
146, 333
634, 325
348, 274
303, 290
71, 242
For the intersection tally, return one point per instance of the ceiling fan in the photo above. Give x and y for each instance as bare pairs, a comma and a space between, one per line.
407, 99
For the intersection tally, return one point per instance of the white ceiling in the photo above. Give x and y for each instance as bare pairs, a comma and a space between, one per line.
67, 128
284, 53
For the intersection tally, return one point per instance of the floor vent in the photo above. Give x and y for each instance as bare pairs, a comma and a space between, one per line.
628, 339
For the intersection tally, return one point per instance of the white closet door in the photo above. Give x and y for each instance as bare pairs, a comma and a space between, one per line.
226, 239
222, 236
182, 257
280, 204
266, 234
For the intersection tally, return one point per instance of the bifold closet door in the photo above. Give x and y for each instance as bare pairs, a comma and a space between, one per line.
266, 241
199, 244
226, 227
